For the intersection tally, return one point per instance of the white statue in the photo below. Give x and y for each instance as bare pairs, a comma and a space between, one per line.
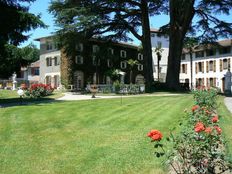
14, 81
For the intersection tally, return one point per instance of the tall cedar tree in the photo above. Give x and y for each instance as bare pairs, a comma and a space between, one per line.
15, 21
208, 28
110, 19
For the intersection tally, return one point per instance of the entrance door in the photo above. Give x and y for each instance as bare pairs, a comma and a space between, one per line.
78, 80
223, 84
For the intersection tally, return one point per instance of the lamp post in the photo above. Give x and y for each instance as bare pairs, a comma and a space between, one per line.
122, 81
20, 93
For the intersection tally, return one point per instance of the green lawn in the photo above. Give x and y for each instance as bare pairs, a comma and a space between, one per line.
95, 136
9, 97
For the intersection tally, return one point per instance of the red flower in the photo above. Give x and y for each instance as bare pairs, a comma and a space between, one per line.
218, 129
215, 119
199, 127
195, 108
208, 130
155, 135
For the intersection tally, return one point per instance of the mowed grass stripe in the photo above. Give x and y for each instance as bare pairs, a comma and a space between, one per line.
99, 136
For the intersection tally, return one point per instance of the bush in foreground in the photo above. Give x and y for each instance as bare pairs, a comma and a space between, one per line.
199, 148
39, 90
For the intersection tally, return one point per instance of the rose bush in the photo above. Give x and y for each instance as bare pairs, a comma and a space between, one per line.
199, 148
39, 90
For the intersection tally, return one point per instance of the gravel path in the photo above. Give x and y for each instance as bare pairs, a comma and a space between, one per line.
228, 103
70, 96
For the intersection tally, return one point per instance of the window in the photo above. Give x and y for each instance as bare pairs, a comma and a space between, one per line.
79, 60
211, 82
123, 53
36, 71
49, 45
140, 56
49, 61
79, 47
95, 61
95, 48
152, 35
211, 66
199, 54
200, 66
109, 63
183, 57
56, 45
210, 52
140, 67
48, 80
123, 65
184, 68
225, 50
111, 51
56, 60
225, 64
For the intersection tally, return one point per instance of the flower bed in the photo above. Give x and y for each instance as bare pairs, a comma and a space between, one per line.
199, 148
39, 90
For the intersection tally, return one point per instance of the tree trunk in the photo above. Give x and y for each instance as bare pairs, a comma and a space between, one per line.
146, 43
181, 15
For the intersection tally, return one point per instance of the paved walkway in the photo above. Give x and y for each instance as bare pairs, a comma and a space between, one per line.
70, 96
228, 103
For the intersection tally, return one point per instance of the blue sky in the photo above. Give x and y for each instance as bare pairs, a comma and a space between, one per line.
41, 7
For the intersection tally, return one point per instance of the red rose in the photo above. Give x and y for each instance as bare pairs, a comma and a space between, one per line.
155, 135
208, 130
199, 127
218, 129
195, 108
215, 119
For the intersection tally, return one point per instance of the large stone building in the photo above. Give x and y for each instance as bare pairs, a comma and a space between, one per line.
89, 62
209, 65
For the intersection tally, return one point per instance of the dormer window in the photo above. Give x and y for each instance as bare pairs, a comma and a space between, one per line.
123, 53
95, 48
140, 56
49, 45
79, 47
111, 51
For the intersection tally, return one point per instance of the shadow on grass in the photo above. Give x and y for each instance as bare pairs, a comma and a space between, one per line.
11, 102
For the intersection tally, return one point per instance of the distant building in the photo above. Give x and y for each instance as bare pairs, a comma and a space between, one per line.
30, 74
89, 63
209, 65
162, 40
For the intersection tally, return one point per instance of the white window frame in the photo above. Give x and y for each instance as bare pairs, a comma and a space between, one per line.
111, 51
109, 63
49, 61
95, 48
123, 53
123, 64
79, 47
140, 67
81, 60
140, 56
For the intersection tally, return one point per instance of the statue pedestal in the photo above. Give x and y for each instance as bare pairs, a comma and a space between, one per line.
14, 85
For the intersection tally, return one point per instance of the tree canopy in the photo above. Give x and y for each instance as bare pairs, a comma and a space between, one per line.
110, 19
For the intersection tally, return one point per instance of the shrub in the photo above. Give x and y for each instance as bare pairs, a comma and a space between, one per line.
39, 90
199, 148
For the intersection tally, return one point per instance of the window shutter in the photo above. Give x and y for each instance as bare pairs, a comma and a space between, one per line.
203, 67
228, 62
214, 81
221, 65
196, 68
207, 66
203, 80
214, 65
207, 82
186, 68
